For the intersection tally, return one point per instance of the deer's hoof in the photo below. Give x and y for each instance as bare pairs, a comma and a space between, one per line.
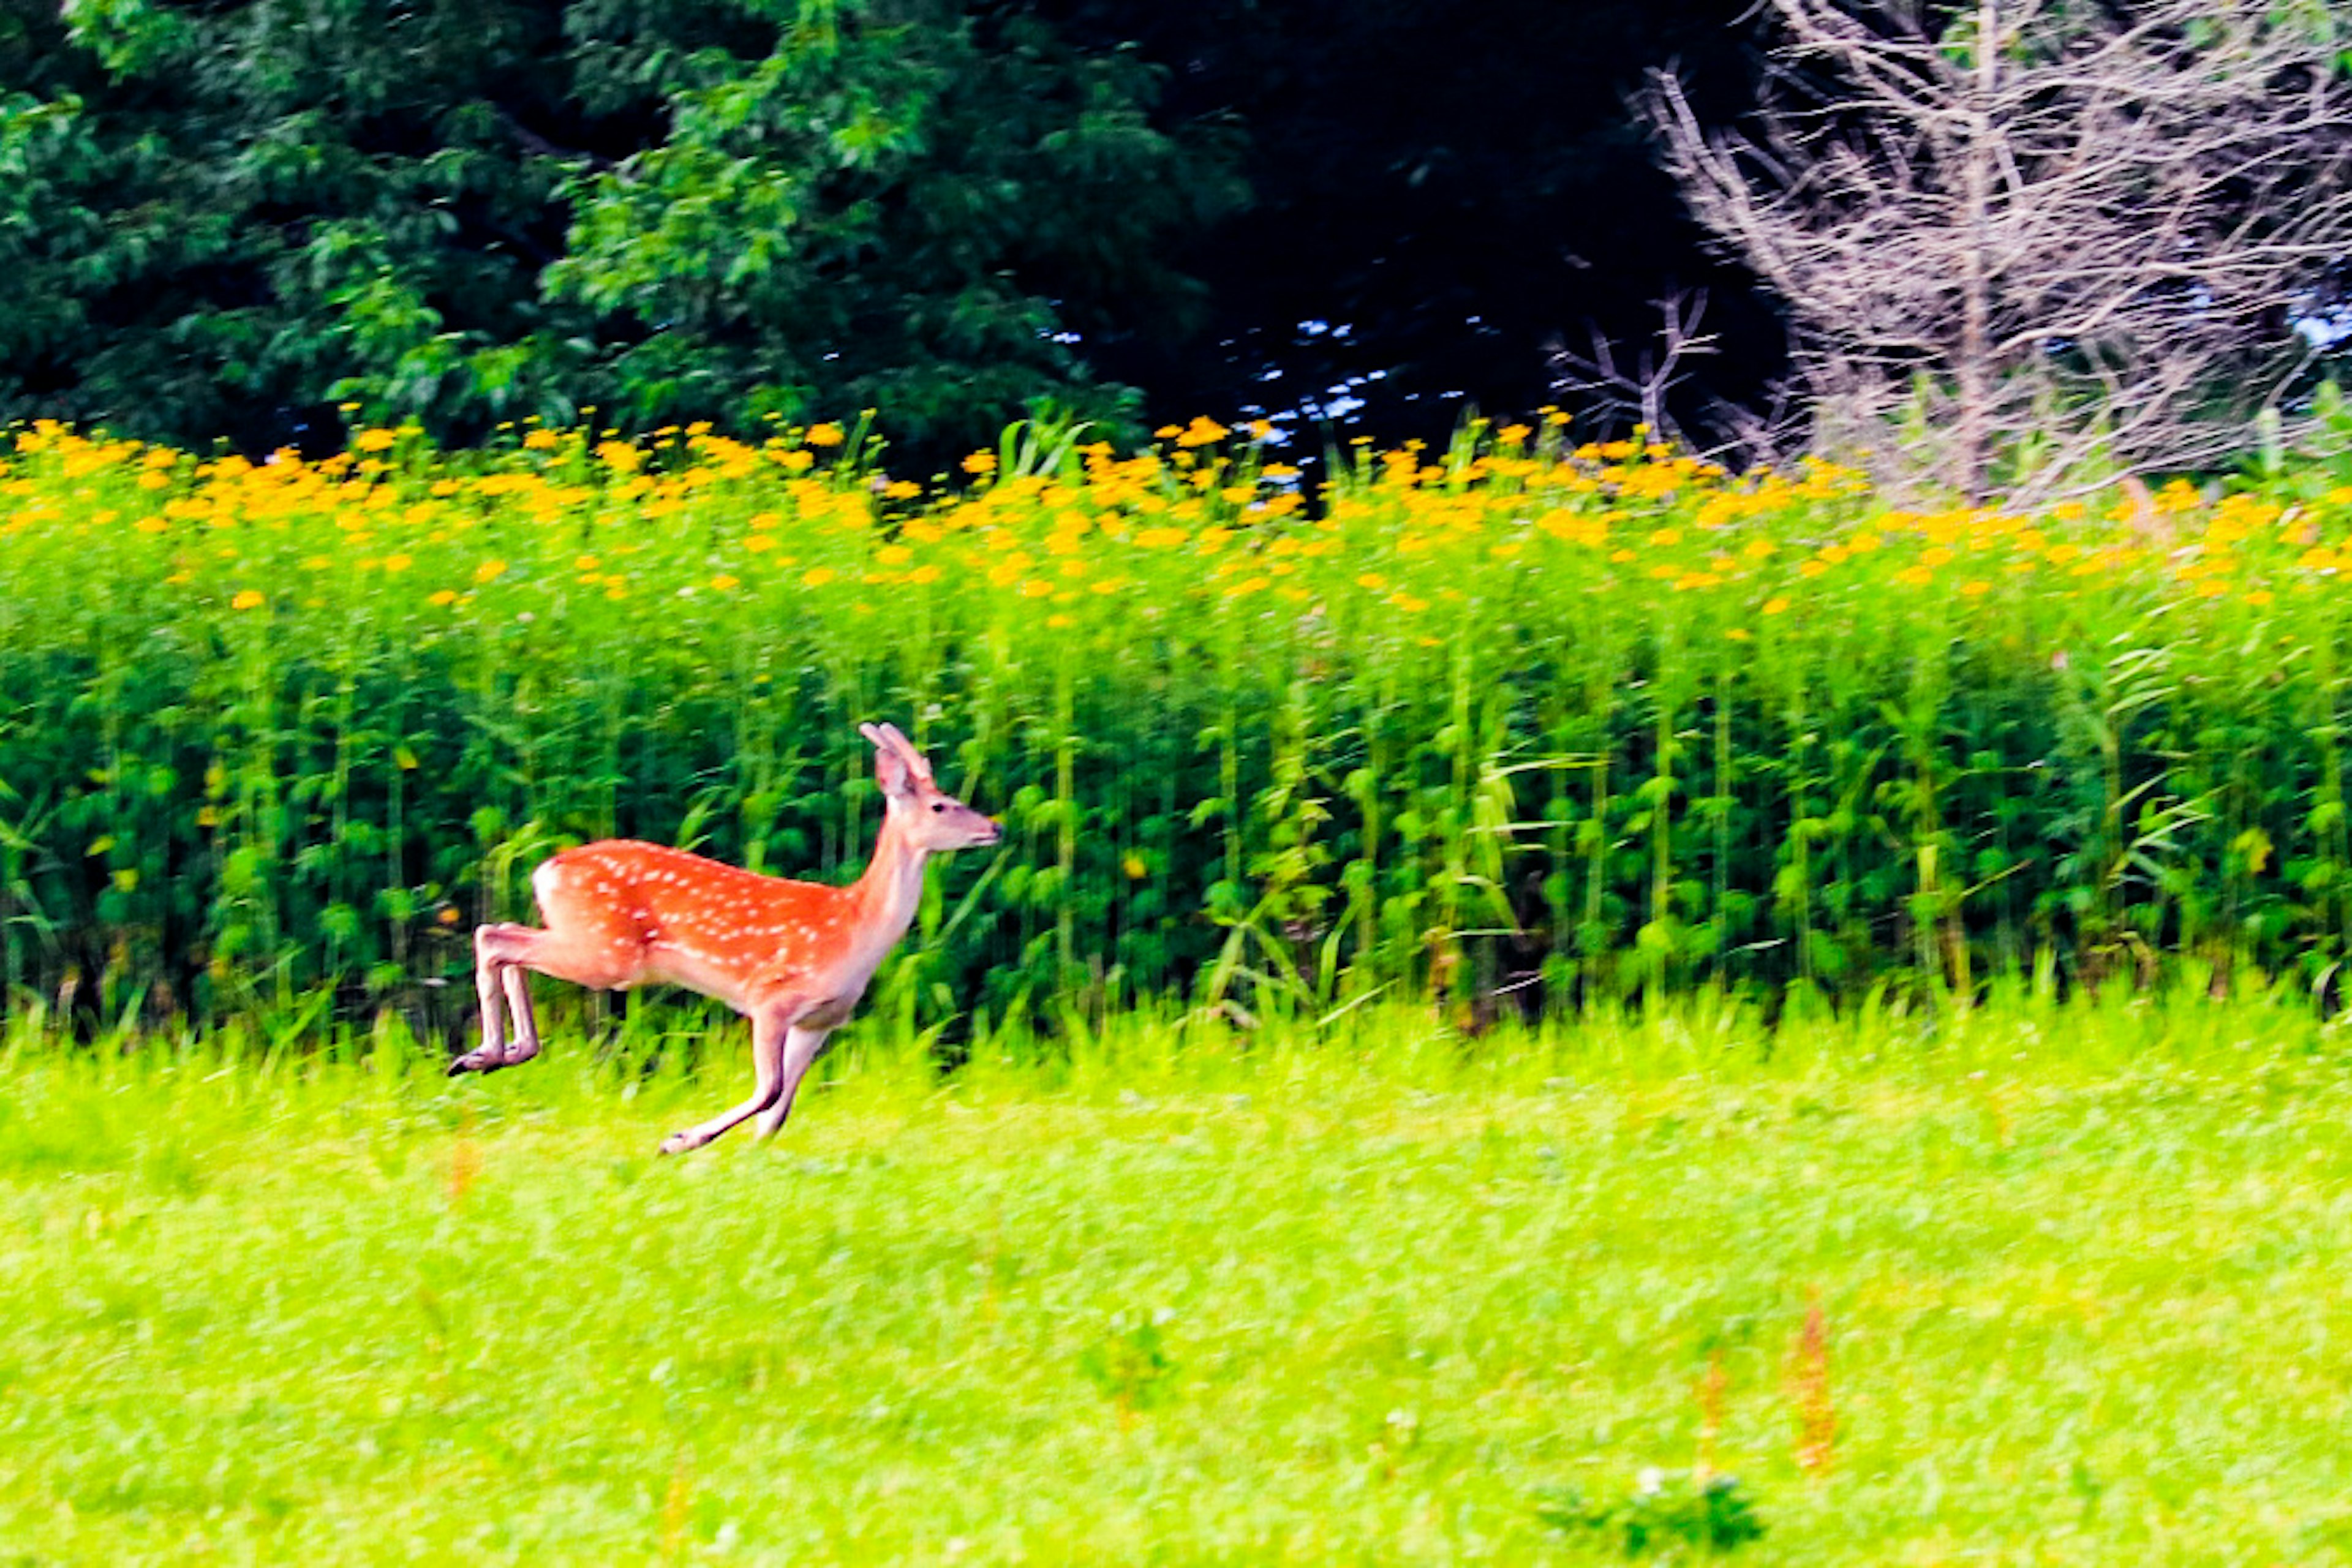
681, 1143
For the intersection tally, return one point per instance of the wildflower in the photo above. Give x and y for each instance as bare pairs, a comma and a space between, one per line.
818, 576
1976, 589
489, 571
540, 440
373, 440
398, 560
980, 463
248, 599
726, 581
1202, 432
443, 597
1775, 606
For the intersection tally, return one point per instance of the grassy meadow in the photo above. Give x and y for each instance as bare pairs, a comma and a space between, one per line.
2040, 1283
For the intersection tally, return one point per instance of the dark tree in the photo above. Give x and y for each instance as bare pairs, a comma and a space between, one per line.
1446, 188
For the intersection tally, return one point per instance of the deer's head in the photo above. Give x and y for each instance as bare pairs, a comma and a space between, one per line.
929, 818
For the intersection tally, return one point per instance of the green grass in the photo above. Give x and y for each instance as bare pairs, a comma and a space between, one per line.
1184, 1297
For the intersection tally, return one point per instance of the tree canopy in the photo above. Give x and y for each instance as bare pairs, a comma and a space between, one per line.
221, 216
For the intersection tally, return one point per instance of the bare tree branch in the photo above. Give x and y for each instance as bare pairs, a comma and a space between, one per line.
2096, 231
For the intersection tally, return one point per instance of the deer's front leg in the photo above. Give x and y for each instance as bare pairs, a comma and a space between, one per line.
803, 1046
771, 1027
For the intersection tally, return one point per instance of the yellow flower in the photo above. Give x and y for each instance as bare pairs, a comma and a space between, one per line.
818, 576
248, 599
1200, 433
373, 440
1918, 576
1775, 606
398, 561
901, 490
1133, 866
489, 571
540, 440
825, 435
443, 596
980, 463
726, 581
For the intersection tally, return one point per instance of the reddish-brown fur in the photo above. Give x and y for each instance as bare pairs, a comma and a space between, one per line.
793, 957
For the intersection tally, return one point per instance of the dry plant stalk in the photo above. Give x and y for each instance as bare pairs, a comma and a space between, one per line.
1713, 1384
675, 1503
465, 1168
2037, 242
1809, 1387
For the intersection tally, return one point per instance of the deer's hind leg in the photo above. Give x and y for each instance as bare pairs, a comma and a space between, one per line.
501, 953
588, 940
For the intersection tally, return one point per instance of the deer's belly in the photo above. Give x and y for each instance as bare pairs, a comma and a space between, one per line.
681, 963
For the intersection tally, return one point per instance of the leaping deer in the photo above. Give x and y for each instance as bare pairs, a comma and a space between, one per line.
793, 957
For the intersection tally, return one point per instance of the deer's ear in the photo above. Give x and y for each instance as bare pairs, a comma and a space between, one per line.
887, 738
890, 769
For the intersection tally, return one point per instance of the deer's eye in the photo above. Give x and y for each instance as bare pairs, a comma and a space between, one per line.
939, 806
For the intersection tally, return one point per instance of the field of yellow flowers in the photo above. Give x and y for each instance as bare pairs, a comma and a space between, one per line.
1516, 722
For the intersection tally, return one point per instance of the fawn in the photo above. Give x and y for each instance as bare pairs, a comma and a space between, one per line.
793, 957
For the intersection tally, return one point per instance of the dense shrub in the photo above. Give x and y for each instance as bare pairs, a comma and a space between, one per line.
1504, 722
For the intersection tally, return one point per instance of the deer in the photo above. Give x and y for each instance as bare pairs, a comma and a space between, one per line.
793, 957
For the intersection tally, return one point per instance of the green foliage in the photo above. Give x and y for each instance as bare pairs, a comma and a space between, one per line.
1132, 1364
1509, 725
1663, 1513
222, 218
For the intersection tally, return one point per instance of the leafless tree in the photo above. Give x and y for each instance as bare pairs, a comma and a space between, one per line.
2030, 241
1620, 390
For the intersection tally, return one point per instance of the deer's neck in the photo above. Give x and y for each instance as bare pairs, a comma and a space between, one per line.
891, 889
